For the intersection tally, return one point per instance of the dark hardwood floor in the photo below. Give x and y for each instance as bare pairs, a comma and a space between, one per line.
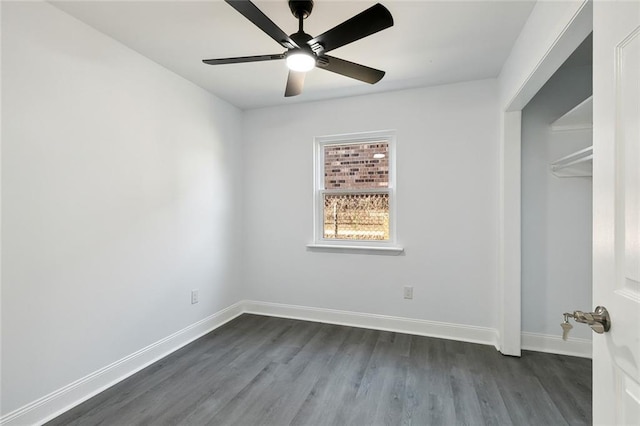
259, 370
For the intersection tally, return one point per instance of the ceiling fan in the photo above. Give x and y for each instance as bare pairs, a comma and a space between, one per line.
305, 52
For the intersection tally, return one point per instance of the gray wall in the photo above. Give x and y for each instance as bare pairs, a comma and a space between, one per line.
556, 212
120, 185
447, 206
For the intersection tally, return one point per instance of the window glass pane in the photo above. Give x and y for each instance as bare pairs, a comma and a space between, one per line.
356, 166
356, 216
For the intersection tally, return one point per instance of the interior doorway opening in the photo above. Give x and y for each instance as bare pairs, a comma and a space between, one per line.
557, 195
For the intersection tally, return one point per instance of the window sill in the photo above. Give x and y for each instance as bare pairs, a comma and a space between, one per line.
389, 250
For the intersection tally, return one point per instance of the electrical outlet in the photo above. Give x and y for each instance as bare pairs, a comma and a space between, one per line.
408, 292
194, 296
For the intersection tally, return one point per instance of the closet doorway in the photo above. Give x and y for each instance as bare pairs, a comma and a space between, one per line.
570, 35
556, 218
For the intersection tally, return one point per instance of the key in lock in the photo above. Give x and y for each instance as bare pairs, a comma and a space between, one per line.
599, 320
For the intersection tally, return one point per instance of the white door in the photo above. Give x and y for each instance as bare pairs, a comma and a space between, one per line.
616, 199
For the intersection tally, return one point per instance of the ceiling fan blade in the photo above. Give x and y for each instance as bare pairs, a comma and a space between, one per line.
241, 59
350, 69
295, 82
372, 20
260, 20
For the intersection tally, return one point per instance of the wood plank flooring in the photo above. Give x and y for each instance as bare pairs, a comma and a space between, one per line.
259, 370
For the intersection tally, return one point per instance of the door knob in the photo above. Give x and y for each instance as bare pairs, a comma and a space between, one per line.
599, 320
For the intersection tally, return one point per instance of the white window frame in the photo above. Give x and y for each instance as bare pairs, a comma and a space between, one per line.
319, 242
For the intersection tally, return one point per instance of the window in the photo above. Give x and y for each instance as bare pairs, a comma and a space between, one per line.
354, 191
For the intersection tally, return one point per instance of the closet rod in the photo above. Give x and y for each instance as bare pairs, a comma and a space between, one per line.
579, 158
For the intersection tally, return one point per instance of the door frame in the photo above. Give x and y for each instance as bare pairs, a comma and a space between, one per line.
576, 29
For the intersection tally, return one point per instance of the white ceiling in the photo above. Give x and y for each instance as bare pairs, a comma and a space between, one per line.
431, 43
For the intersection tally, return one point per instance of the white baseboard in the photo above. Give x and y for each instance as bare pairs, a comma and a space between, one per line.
464, 333
555, 345
67, 397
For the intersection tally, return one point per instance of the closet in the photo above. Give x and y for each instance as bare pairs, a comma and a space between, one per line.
557, 166
579, 163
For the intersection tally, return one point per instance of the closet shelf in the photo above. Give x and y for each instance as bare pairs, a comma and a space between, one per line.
578, 118
577, 164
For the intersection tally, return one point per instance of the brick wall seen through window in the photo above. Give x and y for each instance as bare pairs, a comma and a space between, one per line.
356, 204
354, 166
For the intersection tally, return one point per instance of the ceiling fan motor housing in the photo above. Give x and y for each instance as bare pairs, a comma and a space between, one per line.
301, 38
301, 8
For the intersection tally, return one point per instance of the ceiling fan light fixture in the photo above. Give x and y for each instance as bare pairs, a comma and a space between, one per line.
301, 61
